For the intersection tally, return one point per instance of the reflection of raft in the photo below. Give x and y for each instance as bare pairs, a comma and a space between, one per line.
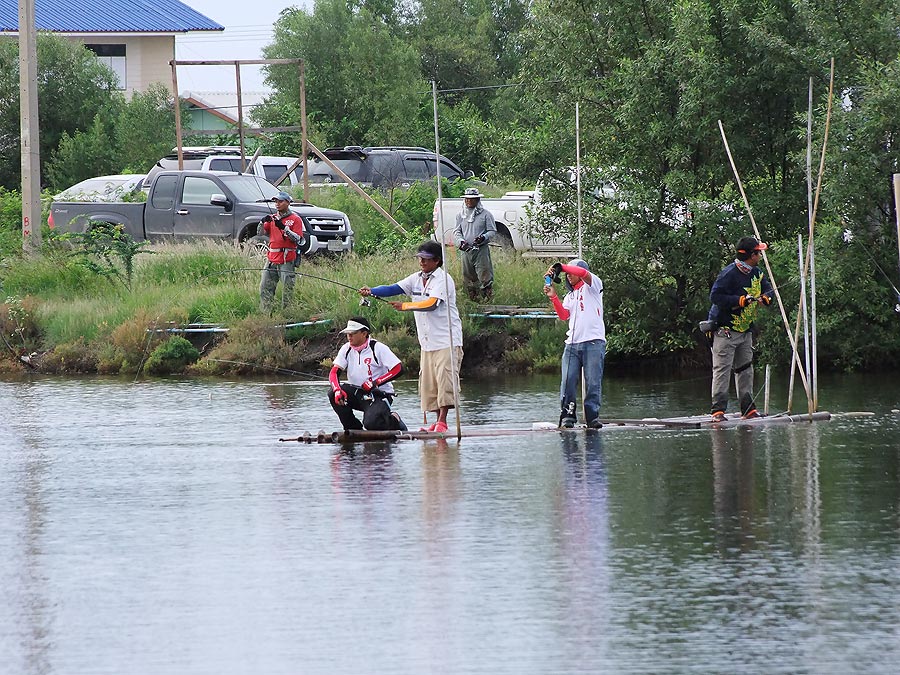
693, 422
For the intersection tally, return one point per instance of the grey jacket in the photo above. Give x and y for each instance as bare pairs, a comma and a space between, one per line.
482, 224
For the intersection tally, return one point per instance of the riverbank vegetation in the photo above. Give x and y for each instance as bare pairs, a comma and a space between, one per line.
64, 312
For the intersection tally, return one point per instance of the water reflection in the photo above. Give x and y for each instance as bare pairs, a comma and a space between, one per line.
363, 470
129, 526
733, 489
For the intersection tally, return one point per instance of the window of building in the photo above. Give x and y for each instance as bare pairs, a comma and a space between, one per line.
113, 56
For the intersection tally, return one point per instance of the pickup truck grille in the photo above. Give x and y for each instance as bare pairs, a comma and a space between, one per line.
320, 224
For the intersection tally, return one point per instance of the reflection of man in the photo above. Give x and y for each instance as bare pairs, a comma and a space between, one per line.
475, 228
735, 296
732, 455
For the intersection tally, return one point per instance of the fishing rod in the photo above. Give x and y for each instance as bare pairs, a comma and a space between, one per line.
849, 238
276, 369
362, 301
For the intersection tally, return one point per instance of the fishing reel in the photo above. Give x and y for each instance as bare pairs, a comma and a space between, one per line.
365, 302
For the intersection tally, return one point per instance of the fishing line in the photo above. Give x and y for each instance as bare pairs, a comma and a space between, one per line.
338, 283
284, 371
849, 236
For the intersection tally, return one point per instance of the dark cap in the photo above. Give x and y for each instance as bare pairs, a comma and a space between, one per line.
749, 244
430, 249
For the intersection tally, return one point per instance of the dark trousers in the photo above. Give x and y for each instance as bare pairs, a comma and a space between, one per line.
375, 407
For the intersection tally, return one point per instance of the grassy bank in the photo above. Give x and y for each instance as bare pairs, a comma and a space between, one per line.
67, 315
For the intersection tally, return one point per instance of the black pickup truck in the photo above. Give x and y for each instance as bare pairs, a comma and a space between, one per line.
214, 205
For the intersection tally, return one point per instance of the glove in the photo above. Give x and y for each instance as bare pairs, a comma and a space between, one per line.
267, 219
278, 223
765, 299
479, 240
746, 300
464, 245
368, 386
340, 397
557, 272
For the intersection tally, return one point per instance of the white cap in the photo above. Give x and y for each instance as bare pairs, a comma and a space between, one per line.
353, 326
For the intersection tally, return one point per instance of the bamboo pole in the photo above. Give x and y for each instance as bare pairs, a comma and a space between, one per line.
304, 133
453, 365
178, 140
897, 217
784, 318
811, 248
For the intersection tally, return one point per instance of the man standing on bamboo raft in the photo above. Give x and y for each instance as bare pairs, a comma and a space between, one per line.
736, 295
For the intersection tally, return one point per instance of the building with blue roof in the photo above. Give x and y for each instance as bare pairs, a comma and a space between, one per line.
136, 38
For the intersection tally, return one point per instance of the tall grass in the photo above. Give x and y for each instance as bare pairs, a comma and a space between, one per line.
87, 319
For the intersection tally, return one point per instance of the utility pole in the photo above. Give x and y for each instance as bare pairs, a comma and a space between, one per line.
28, 115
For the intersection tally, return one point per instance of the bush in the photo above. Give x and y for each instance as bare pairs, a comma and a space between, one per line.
172, 356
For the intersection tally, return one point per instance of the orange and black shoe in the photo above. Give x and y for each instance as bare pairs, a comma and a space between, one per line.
718, 416
751, 414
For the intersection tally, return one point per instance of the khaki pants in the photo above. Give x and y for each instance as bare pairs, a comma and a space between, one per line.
436, 378
730, 351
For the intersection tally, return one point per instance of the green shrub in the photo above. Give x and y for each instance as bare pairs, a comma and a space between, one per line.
172, 356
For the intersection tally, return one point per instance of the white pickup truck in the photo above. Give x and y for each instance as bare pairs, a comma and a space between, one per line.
512, 213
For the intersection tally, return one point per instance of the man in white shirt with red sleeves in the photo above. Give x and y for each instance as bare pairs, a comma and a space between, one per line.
371, 367
585, 350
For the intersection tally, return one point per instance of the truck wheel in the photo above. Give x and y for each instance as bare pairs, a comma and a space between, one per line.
256, 246
504, 240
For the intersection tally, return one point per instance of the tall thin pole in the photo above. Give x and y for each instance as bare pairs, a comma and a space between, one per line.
303, 132
578, 175
811, 251
178, 139
28, 126
803, 305
453, 365
240, 120
897, 214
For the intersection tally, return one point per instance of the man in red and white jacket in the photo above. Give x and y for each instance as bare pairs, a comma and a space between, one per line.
585, 350
285, 231
371, 367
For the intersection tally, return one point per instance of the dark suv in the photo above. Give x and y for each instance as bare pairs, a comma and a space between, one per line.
382, 167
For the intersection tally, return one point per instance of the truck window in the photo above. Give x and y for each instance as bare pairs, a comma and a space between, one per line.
164, 192
447, 171
198, 190
273, 172
225, 164
416, 168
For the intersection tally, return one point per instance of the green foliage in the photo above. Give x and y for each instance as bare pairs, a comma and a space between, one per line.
171, 356
19, 327
145, 129
84, 154
350, 54
107, 250
73, 87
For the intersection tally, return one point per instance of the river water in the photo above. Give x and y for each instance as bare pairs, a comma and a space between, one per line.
160, 526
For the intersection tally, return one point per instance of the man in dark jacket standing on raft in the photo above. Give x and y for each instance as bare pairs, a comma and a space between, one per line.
736, 295
432, 297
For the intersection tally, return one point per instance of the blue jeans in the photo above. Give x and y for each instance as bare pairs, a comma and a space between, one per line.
587, 357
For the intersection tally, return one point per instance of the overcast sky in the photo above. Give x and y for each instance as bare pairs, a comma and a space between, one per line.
248, 28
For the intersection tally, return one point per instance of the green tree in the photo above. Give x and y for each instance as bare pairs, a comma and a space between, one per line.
84, 154
145, 129
73, 87
362, 82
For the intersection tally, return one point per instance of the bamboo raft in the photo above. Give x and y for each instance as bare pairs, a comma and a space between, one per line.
692, 422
